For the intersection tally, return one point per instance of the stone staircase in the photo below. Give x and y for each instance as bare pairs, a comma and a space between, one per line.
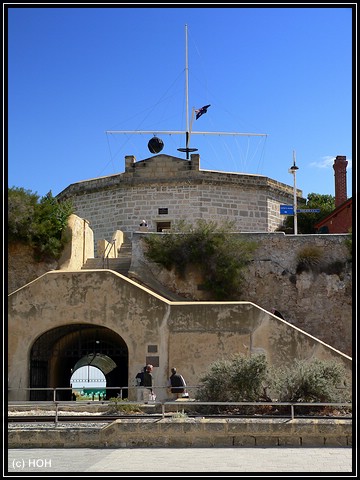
121, 264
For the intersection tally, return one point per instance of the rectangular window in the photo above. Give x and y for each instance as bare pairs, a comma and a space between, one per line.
163, 226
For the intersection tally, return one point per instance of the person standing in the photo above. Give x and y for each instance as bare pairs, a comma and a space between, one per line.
148, 383
139, 379
177, 384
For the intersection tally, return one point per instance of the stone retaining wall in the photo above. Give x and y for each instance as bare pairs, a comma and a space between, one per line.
318, 301
191, 432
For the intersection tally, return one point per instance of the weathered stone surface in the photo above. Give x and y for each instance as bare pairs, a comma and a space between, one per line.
273, 433
317, 302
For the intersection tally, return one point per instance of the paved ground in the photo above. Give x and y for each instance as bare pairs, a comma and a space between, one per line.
185, 461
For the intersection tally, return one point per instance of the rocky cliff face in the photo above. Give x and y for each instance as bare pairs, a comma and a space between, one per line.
23, 268
318, 301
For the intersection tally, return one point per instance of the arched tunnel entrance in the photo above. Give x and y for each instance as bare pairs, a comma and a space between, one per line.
58, 352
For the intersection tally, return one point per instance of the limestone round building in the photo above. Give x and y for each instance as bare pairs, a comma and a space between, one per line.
163, 189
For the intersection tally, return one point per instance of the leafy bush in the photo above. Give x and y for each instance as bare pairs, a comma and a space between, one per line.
40, 223
315, 381
250, 379
21, 210
219, 256
239, 379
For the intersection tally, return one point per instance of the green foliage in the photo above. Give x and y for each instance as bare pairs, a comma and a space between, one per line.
219, 256
308, 258
315, 381
179, 415
249, 379
239, 379
306, 221
39, 223
117, 405
21, 209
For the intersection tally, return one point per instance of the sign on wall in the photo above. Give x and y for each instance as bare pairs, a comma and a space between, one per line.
289, 210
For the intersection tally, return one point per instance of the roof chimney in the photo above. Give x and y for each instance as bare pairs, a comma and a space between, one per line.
339, 167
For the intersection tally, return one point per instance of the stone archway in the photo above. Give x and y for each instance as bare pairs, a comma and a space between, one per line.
56, 352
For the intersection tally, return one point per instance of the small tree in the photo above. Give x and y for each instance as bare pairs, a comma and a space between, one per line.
21, 210
37, 222
219, 256
306, 221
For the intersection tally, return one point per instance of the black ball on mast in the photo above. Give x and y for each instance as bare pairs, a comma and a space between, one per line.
155, 145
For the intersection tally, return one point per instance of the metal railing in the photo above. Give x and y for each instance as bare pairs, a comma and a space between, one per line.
107, 252
188, 403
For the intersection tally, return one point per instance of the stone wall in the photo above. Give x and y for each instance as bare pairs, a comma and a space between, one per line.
187, 334
318, 302
23, 268
166, 189
192, 432
80, 245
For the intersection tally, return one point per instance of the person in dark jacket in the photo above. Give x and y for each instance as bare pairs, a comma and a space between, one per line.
177, 383
148, 383
139, 379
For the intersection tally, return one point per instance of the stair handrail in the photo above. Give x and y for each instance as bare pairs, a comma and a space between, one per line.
109, 246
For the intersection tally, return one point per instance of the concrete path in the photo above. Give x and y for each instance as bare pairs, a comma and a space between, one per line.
151, 462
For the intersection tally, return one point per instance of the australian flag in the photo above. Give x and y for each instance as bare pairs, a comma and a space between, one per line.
201, 111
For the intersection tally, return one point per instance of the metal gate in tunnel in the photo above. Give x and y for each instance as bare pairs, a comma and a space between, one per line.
59, 351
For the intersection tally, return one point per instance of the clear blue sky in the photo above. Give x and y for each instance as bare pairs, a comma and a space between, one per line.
76, 73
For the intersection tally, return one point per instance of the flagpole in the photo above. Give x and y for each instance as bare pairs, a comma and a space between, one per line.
192, 119
186, 79
187, 150
188, 131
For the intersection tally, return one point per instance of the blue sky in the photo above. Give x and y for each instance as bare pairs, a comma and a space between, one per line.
75, 73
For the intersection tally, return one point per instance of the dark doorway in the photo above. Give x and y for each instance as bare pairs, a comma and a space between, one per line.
56, 352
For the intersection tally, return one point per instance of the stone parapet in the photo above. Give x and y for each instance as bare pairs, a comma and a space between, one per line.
191, 432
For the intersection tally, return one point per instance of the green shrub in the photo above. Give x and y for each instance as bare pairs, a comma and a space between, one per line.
21, 210
180, 415
308, 258
315, 381
40, 223
250, 379
239, 379
219, 256
120, 405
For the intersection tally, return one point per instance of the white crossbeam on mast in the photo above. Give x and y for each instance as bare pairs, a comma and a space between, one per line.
188, 130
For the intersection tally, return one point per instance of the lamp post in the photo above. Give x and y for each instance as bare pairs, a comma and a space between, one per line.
292, 170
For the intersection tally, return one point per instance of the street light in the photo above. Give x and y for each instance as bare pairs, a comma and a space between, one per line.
292, 170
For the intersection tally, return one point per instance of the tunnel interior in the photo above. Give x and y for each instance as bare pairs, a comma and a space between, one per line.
57, 353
